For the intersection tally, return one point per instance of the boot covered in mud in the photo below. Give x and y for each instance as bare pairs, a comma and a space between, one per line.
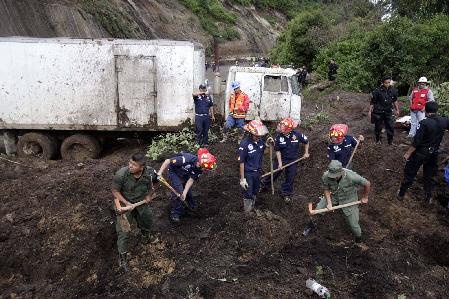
123, 261
248, 204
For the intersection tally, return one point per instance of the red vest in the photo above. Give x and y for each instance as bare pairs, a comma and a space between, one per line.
419, 98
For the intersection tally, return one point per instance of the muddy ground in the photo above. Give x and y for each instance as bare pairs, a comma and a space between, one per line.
57, 236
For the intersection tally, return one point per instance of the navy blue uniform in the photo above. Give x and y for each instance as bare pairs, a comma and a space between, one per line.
289, 146
427, 142
182, 168
342, 152
202, 119
251, 154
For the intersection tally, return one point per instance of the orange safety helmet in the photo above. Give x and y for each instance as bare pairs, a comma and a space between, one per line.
337, 132
287, 125
256, 128
206, 159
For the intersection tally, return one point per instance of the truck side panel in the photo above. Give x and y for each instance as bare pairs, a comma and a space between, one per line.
57, 84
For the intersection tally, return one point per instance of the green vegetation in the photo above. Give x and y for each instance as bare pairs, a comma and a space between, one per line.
113, 18
314, 119
412, 43
441, 93
213, 16
173, 143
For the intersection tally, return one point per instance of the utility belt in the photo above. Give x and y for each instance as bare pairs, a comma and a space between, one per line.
201, 114
238, 115
426, 152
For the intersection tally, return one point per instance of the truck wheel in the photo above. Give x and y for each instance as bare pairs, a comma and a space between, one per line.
80, 147
39, 145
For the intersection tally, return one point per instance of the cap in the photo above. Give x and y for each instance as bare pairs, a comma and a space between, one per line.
202, 86
422, 80
334, 169
235, 85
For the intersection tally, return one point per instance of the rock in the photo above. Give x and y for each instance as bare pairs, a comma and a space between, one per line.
10, 218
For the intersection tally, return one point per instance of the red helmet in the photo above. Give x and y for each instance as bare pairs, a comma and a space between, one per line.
256, 127
337, 132
287, 125
206, 159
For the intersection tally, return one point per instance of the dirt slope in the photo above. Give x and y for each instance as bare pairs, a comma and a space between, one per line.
144, 19
57, 234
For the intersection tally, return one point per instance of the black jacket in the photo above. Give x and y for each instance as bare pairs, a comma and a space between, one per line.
383, 98
429, 134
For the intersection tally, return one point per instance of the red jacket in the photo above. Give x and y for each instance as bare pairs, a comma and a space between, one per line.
419, 99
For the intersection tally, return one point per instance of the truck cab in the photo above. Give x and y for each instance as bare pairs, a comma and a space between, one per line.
274, 93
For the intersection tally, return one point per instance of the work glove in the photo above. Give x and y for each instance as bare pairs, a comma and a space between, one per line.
244, 183
155, 178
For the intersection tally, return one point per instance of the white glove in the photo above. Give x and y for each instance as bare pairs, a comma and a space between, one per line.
244, 183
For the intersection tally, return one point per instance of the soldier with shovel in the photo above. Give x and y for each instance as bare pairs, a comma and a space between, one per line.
132, 186
340, 189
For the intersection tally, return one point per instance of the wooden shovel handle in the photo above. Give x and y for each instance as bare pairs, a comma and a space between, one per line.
284, 166
320, 211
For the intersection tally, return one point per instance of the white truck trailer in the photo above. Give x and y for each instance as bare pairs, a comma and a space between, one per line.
274, 93
73, 92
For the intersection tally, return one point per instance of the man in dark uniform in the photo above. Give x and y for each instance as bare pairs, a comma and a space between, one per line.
341, 144
381, 109
332, 72
183, 170
424, 151
251, 151
204, 112
287, 146
130, 185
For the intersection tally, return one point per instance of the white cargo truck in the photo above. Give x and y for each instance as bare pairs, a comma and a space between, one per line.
74, 92
274, 93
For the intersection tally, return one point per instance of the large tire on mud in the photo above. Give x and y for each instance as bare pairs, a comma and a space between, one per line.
38, 145
80, 147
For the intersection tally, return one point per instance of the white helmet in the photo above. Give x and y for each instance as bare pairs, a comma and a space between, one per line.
422, 80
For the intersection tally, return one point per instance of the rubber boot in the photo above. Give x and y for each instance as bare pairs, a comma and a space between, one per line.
248, 205
358, 239
253, 202
123, 261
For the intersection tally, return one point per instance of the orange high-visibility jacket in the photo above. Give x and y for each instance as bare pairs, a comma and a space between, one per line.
238, 104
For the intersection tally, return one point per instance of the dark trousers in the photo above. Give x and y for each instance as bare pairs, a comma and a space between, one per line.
430, 167
202, 125
290, 174
253, 180
178, 184
380, 121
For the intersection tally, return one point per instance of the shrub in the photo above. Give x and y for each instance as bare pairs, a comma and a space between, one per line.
173, 143
441, 93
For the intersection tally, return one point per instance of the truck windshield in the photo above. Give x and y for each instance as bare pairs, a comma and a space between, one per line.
295, 84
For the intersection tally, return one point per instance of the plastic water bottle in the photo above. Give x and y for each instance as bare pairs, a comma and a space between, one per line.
317, 288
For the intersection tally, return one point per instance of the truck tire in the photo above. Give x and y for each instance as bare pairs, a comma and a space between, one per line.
38, 145
80, 147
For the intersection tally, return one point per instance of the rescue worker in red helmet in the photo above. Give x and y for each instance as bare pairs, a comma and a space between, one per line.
287, 147
341, 145
183, 170
250, 158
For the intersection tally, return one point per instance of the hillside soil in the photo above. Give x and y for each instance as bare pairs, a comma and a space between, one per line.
57, 235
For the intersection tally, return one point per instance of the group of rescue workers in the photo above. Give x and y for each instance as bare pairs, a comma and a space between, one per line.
135, 182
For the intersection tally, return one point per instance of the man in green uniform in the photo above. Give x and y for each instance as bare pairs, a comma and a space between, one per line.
340, 187
130, 185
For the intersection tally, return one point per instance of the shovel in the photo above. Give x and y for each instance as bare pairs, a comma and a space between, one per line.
166, 184
320, 211
123, 220
352, 155
284, 166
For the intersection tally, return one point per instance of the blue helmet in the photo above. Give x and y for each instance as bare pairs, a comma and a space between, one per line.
235, 85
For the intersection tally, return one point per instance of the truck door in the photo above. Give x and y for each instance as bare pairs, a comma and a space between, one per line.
275, 102
136, 89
